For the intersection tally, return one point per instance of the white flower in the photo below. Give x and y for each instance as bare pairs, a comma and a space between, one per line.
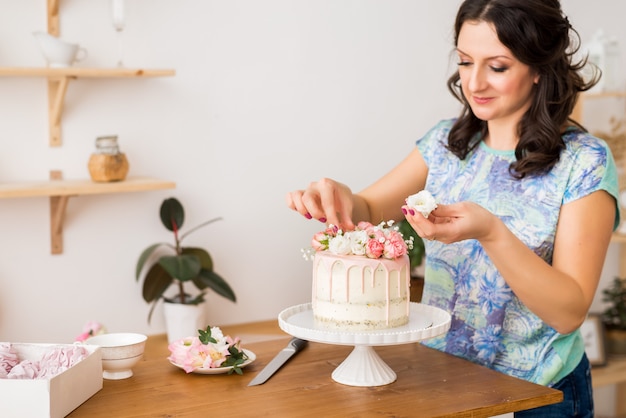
423, 202
358, 241
339, 245
216, 332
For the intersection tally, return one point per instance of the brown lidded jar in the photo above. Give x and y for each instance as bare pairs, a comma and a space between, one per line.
107, 163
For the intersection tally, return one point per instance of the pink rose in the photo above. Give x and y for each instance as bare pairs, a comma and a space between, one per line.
394, 247
319, 241
364, 226
374, 248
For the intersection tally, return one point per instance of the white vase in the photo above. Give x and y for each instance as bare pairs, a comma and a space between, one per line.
183, 321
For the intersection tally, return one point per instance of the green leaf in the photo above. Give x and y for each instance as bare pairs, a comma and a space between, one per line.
172, 214
182, 267
144, 257
156, 283
416, 254
205, 336
205, 258
208, 278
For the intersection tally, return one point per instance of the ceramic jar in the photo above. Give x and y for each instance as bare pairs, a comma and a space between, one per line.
107, 163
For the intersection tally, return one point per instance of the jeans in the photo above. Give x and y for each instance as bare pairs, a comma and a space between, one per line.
577, 396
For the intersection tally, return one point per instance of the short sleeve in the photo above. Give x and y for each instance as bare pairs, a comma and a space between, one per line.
431, 143
593, 169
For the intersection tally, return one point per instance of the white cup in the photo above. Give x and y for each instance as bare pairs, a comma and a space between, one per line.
59, 53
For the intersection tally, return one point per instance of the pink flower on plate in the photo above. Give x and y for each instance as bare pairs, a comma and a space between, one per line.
186, 353
191, 353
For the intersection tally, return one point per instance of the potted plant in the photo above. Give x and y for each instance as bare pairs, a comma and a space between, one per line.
416, 253
614, 316
416, 258
171, 264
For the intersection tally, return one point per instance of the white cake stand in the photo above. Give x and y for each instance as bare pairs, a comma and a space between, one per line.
363, 367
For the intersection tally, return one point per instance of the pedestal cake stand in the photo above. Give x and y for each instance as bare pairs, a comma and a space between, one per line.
363, 367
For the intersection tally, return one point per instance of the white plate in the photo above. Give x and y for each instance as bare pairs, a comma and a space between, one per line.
220, 370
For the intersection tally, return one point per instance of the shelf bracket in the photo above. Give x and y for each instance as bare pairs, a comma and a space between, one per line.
53, 17
57, 87
58, 205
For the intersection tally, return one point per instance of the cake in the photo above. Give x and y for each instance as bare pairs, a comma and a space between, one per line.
361, 278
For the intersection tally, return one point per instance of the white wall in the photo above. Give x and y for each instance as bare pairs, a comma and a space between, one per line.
268, 96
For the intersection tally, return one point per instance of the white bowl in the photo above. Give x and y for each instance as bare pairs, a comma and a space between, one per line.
121, 351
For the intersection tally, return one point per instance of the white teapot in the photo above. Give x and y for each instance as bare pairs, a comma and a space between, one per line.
59, 53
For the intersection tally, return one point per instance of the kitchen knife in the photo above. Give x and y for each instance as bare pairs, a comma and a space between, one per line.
295, 345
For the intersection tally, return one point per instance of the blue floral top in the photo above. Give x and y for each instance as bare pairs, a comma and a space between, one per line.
490, 325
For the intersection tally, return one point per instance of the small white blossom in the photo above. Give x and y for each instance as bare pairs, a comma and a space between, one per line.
308, 253
423, 202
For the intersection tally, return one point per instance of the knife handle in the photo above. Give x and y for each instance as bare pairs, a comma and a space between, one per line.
297, 344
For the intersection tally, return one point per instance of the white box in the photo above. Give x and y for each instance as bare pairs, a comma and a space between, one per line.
53, 398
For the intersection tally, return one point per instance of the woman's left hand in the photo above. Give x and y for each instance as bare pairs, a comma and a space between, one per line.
452, 223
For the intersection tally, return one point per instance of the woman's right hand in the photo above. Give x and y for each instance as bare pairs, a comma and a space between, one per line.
325, 200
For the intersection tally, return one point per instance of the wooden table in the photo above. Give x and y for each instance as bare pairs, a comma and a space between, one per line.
429, 384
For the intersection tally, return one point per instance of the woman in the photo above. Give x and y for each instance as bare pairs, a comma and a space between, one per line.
528, 201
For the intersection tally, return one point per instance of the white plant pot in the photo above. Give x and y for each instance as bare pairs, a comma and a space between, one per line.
182, 321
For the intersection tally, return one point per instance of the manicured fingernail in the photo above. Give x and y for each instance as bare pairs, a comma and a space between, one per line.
404, 211
308, 216
412, 212
322, 220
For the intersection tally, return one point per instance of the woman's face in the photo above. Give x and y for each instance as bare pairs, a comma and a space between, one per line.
497, 86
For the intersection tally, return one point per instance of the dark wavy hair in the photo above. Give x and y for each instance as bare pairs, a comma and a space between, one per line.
540, 36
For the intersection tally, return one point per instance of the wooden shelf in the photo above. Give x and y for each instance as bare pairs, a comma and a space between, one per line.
77, 72
56, 189
80, 187
59, 191
577, 113
618, 238
613, 373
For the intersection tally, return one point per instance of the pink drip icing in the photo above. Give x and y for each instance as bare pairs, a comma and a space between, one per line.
349, 262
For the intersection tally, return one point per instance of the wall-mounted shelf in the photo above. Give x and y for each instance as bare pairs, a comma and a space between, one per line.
80, 187
59, 191
58, 81
56, 189
577, 113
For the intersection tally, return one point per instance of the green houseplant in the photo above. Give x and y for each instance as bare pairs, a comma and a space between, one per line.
614, 316
416, 254
169, 264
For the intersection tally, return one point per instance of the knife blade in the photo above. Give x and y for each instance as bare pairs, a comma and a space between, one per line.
295, 345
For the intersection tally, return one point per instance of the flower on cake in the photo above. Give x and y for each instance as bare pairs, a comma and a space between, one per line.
210, 349
373, 241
